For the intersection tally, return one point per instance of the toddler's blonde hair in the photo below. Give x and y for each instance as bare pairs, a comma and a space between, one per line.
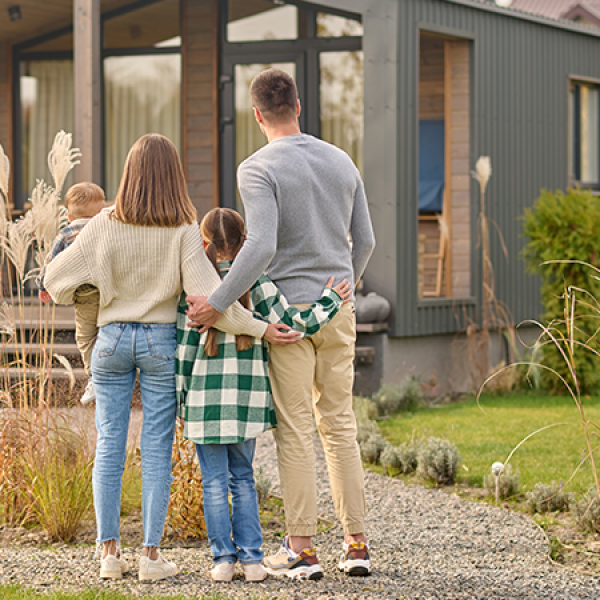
84, 200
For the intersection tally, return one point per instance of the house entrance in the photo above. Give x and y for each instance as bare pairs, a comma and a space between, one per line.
320, 49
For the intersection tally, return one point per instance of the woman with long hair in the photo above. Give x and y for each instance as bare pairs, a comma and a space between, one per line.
141, 254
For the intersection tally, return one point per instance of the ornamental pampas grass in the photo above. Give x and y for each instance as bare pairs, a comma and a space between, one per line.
62, 159
4, 173
17, 243
483, 171
45, 216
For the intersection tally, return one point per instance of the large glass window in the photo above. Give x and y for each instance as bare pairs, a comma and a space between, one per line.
259, 20
342, 101
142, 95
47, 106
584, 145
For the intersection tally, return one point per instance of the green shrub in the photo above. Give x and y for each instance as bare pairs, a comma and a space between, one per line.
566, 227
438, 460
587, 511
371, 449
402, 458
404, 396
548, 498
364, 409
508, 482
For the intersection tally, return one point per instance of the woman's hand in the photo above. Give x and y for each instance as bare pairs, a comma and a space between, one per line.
342, 289
281, 335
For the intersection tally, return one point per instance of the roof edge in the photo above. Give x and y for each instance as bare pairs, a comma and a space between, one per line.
538, 19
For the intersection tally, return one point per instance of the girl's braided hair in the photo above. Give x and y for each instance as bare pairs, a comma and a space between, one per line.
224, 231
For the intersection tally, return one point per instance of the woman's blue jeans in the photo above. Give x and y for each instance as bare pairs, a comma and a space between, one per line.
228, 467
121, 349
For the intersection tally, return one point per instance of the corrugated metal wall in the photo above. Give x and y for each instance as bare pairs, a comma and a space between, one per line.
520, 72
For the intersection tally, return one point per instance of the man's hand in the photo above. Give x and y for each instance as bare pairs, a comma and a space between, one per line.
201, 313
45, 297
281, 335
342, 289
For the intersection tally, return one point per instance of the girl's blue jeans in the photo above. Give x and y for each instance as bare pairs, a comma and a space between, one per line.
225, 468
121, 349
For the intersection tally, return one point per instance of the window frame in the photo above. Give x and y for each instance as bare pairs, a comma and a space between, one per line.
573, 137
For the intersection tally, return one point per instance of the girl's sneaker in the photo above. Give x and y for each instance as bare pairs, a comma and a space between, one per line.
355, 559
223, 571
295, 566
89, 395
153, 570
254, 572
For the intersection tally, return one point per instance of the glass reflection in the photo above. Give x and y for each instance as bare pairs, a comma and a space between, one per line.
248, 136
142, 95
342, 102
257, 20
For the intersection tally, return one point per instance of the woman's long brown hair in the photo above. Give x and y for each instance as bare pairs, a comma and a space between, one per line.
223, 231
153, 191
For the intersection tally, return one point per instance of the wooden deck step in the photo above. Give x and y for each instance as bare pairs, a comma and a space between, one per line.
57, 373
35, 349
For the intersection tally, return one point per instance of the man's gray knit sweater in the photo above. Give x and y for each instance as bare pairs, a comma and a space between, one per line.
302, 197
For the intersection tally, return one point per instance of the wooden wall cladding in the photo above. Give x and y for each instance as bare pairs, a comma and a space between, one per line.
200, 101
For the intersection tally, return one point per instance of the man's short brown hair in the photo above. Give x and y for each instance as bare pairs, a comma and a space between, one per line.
275, 95
84, 200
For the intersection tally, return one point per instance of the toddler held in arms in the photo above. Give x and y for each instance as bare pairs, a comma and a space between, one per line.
84, 201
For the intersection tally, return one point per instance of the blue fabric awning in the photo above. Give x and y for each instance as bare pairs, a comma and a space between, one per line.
431, 165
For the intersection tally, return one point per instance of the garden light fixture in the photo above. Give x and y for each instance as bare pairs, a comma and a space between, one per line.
14, 12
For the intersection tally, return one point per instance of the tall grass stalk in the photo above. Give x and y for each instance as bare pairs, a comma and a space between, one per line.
32, 234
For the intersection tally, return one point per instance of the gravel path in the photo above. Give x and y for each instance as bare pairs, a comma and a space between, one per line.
425, 544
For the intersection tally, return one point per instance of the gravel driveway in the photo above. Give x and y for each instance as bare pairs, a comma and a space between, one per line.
425, 544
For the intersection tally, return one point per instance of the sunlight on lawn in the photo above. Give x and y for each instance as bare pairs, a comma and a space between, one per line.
485, 437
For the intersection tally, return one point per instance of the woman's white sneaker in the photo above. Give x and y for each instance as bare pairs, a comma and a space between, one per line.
112, 567
153, 570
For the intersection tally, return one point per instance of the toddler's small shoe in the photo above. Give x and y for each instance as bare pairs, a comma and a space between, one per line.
112, 567
223, 571
153, 570
89, 395
254, 572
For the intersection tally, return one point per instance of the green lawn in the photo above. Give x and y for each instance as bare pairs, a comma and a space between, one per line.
485, 437
20, 593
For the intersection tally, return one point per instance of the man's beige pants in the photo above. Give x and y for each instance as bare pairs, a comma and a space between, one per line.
86, 326
325, 360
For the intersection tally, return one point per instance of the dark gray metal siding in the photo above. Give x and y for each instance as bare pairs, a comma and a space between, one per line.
519, 106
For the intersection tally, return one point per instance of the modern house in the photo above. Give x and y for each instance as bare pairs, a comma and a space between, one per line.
414, 90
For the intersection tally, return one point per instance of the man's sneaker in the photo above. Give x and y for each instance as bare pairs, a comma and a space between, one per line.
113, 567
89, 395
295, 566
355, 559
223, 571
153, 570
254, 572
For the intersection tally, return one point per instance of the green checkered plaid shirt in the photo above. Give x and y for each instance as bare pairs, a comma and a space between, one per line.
226, 399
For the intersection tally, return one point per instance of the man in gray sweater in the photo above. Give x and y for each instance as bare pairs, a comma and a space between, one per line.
303, 198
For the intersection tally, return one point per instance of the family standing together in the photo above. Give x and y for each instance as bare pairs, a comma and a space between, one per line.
234, 327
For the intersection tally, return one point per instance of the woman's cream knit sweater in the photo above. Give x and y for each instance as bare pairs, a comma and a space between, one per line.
140, 272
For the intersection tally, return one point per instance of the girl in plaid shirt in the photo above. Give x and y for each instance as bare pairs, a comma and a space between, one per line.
224, 398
